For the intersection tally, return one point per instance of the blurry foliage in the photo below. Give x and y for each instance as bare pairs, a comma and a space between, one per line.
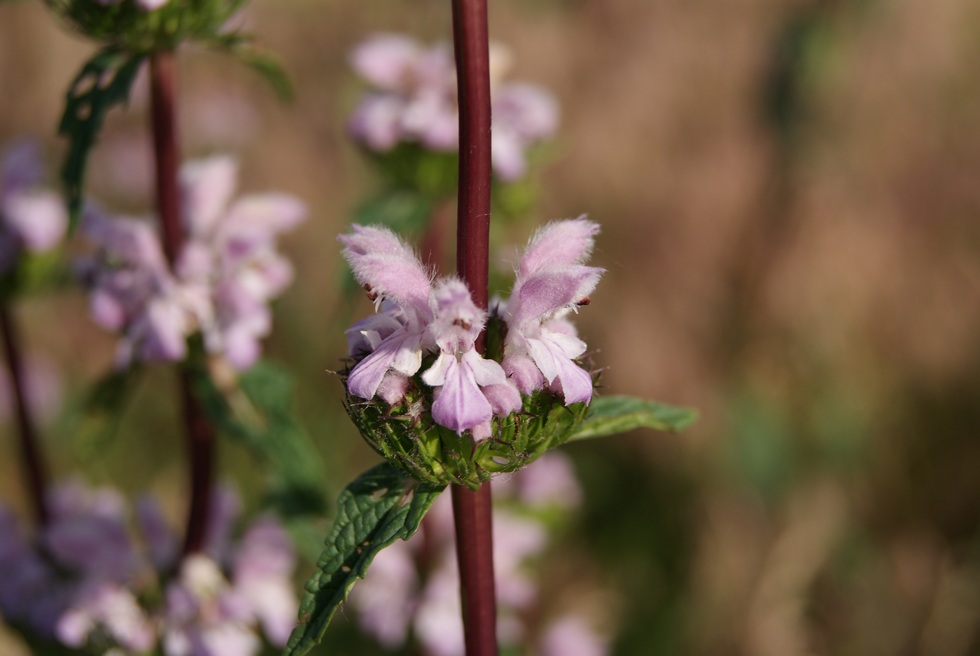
103, 82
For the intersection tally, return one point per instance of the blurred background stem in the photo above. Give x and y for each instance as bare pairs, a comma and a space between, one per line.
472, 510
199, 432
33, 469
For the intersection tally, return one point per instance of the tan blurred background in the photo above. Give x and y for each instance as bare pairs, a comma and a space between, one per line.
790, 201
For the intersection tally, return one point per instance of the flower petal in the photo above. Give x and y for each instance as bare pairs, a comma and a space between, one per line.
207, 186
367, 375
559, 243
550, 291
389, 266
485, 372
459, 404
38, 217
385, 60
263, 215
523, 372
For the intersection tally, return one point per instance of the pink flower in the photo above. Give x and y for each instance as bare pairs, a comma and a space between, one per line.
263, 568
135, 293
109, 606
389, 269
460, 373
32, 219
231, 251
225, 276
413, 100
541, 345
572, 636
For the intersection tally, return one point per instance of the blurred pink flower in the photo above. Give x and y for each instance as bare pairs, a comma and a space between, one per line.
32, 219
413, 586
134, 292
262, 574
92, 579
413, 100
572, 636
225, 276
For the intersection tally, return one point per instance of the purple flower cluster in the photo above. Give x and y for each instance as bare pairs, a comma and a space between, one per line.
32, 219
414, 100
221, 285
419, 316
84, 581
412, 587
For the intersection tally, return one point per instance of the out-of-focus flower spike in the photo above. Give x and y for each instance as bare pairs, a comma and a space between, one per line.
207, 186
37, 217
385, 60
263, 215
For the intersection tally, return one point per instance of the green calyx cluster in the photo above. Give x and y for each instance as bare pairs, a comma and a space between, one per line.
124, 24
407, 437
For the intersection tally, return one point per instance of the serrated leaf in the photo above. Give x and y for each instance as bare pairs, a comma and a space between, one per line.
382, 505
104, 81
609, 415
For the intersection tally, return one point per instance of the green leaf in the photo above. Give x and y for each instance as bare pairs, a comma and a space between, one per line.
102, 411
103, 82
263, 62
609, 415
403, 210
379, 507
256, 409
270, 68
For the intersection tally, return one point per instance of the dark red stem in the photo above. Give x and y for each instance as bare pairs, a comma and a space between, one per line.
34, 469
472, 511
200, 432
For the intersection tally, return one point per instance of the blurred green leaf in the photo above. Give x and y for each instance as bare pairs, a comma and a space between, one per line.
263, 62
102, 411
380, 506
403, 210
609, 415
104, 81
258, 413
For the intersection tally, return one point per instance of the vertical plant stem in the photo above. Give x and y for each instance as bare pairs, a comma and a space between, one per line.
472, 511
33, 469
200, 433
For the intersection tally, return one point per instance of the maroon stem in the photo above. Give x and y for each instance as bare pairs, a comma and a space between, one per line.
200, 432
472, 511
34, 469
